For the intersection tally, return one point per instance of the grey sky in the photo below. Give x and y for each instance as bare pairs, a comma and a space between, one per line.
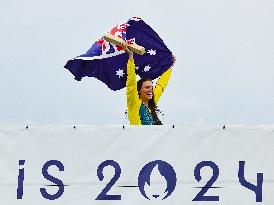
224, 71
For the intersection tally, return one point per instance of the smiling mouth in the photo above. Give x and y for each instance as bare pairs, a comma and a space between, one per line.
149, 93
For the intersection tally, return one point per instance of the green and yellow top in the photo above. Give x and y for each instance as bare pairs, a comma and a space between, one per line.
138, 113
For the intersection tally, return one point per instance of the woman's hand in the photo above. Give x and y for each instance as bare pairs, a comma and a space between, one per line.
130, 53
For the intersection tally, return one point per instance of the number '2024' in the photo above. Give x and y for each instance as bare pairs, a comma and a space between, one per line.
164, 168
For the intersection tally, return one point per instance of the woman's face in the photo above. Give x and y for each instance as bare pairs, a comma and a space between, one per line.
146, 92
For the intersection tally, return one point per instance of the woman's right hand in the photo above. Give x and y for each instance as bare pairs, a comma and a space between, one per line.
129, 52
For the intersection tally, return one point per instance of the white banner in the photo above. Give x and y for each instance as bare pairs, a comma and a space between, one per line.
136, 165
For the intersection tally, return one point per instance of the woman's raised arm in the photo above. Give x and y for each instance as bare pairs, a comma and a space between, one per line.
133, 102
162, 83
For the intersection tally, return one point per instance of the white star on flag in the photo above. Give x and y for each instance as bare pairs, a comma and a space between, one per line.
147, 68
152, 52
137, 68
120, 73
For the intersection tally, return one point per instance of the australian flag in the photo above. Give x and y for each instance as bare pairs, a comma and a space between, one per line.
108, 62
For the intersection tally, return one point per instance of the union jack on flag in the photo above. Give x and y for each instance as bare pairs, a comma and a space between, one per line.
107, 62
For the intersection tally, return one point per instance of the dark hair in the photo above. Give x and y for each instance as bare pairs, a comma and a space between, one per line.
151, 103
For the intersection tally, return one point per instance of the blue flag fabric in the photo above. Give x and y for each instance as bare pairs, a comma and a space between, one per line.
108, 62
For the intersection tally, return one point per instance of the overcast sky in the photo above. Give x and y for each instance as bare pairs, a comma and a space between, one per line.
224, 72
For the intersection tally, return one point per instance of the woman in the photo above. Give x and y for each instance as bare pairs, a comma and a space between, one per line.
142, 99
